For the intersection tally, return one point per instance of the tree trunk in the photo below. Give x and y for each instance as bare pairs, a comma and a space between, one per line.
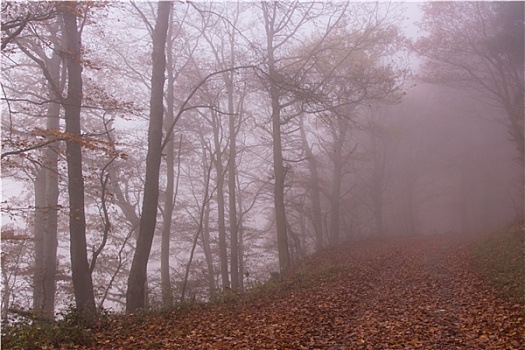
207, 252
241, 258
278, 166
223, 251
46, 187
82, 282
378, 183
279, 174
135, 298
51, 199
335, 197
202, 214
315, 195
39, 223
232, 184
167, 297
240, 228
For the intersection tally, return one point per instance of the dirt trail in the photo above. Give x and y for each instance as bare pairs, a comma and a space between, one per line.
410, 293
426, 296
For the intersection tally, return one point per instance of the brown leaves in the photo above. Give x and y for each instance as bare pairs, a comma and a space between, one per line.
402, 294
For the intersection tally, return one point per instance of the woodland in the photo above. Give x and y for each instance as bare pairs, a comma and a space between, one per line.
156, 155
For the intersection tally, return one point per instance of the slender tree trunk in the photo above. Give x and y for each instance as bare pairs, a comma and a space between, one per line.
335, 197
167, 295
202, 212
39, 234
207, 252
242, 272
51, 200
232, 184
82, 282
279, 174
167, 299
223, 250
46, 190
240, 228
6, 296
135, 298
278, 166
315, 195
129, 212
378, 183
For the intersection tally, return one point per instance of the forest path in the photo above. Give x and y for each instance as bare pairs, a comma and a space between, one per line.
404, 293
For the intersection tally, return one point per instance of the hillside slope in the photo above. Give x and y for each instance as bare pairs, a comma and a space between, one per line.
405, 293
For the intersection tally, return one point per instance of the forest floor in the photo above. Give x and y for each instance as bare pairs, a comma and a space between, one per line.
402, 293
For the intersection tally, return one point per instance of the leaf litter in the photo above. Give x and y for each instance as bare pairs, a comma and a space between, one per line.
402, 293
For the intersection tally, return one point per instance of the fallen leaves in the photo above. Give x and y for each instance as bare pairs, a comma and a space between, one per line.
417, 293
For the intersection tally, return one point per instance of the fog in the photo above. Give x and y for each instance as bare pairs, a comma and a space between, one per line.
282, 129
447, 169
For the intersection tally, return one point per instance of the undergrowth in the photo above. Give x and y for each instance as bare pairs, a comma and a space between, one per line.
71, 329
314, 269
500, 258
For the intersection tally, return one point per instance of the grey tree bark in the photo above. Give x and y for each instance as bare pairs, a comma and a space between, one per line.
39, 234
46, 184
138, 272
82, 282
51, 194
314, 188
219, 169
51, 216
269, 13
339, 130
206, 247
167, 295
232, 177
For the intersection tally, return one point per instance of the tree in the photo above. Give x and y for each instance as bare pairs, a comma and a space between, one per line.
479, 45
349, 62
46, 199
46, 180
354, 68
81, 274
314, 186
17, 16
148, 219
375, 180
170, 195
283, 25
340, 155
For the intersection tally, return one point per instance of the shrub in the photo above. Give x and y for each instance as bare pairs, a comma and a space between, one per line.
72, 328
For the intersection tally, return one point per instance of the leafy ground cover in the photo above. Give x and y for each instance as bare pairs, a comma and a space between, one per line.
500, 258
403, 293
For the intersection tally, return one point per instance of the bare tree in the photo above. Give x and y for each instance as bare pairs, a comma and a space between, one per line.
340, 155
282, 22
46, 183
82, 282
314, 186
16, 17
148, 220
